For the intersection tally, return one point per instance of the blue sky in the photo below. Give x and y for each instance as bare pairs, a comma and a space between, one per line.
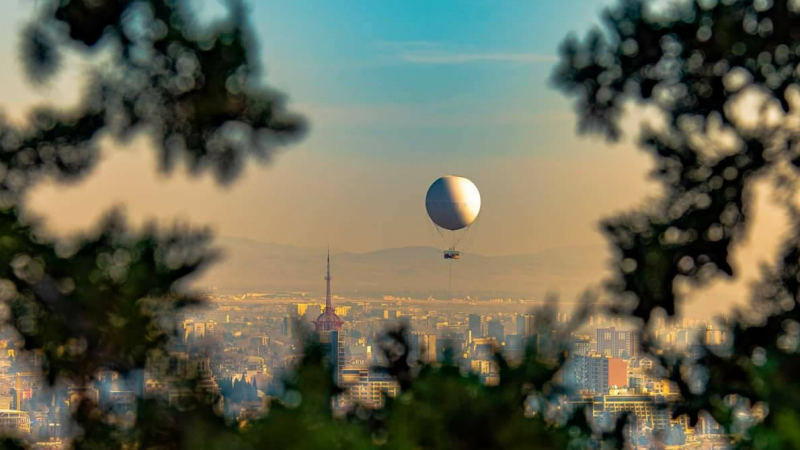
416, 51
447, 73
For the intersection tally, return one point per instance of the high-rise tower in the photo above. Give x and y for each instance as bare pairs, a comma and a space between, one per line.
328, 321
328, 325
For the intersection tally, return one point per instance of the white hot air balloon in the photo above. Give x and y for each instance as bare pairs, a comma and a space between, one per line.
453, 204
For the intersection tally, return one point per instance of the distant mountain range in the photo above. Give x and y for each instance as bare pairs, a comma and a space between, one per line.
418, 271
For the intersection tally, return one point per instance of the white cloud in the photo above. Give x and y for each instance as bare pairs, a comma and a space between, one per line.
457, 115
467, 58
424, 52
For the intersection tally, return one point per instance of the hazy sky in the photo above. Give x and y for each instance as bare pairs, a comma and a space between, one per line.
398, 93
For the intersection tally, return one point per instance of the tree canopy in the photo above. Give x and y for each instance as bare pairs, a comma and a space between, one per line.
698, 64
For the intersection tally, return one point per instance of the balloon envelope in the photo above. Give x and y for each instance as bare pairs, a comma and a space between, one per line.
453, 202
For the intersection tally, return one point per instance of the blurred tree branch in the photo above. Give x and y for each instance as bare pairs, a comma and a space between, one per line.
696, 62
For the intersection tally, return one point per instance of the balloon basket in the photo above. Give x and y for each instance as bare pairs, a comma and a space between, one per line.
452, 254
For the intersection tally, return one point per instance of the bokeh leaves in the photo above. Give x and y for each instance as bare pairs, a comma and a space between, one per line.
196, 91
695, 63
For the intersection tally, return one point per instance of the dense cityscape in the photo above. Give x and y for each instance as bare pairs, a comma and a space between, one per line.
240, 346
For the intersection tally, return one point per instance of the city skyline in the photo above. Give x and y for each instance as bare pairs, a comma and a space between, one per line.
605, 372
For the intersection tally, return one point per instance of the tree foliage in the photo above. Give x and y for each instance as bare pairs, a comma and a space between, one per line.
723, 77
195, 90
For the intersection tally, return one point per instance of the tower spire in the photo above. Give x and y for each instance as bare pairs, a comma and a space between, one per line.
328, 320
328, 306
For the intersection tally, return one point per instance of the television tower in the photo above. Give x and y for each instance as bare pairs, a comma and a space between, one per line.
328, 320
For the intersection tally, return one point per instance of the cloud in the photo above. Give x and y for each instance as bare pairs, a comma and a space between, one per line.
468, 58
433, 53
439, 115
